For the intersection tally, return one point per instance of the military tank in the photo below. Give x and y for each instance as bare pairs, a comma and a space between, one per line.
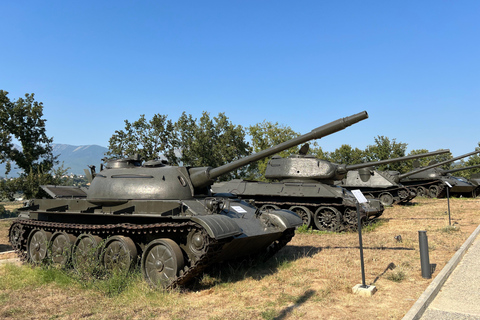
377, 184
163, 216
461, 186
475, 180
430, 181
304, 184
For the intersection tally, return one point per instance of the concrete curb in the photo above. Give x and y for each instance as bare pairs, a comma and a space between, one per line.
417, 310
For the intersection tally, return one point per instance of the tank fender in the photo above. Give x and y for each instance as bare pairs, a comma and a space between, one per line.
283, 219
218, 226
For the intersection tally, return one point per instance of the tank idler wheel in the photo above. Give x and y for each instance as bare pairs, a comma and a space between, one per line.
386, 199
421, 192
61, 245
37, 245
16, 235
433, 191
327, 219
86, 252
162, 261
266, 207
119, 254
304, 213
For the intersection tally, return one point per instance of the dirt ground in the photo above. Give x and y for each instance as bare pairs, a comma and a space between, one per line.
311, 278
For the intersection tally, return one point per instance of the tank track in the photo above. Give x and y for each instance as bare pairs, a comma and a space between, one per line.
211, 251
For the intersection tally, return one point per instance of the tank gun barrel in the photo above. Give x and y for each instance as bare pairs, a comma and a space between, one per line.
204, 176
404, 175
387, 161
461, 169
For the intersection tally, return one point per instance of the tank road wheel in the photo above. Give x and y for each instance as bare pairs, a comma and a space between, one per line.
421, 192
433, 191
386, 199
119, 254
16, 235
327, 219
197, 243
86, 251
61, 245
37, 245
304, 213
403, 194
266, 207
350, 218
162, 260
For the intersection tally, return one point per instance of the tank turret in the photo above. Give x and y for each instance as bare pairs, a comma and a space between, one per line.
430, 180
162, 217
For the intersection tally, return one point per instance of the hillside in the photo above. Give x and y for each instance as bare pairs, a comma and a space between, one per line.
75, 157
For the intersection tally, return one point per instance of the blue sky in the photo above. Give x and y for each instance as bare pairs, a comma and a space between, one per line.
414, 66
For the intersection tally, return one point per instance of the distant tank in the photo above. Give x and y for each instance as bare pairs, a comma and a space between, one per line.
163, 216
475, 180
430, 181
304, 184
377, 184
461, 186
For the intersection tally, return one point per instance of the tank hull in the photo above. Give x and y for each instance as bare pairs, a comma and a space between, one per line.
236, 231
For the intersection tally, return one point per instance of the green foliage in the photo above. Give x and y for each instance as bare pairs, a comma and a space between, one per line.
396, 276
384, 149
21, 120
211, 142
346, 155
150, 139
410, 165
265, 135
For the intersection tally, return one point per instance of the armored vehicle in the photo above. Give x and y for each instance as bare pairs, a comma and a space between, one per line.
461, 186
304, 184
430, 181
475, 180
163, 216
377, 184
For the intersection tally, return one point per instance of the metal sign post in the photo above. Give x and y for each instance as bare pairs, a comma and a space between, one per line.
448, 201
363, 288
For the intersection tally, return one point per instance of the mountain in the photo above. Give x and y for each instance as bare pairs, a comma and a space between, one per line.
75, 157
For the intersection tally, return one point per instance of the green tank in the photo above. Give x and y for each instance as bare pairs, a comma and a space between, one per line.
305, 185
431, 181
378, 184
162, 217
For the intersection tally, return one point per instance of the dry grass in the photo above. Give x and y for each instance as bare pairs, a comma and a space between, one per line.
311, 278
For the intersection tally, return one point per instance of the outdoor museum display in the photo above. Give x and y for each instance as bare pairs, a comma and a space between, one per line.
377, 184
430, 180
163, 216
304, 184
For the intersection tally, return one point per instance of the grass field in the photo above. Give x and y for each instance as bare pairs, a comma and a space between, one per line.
311, 278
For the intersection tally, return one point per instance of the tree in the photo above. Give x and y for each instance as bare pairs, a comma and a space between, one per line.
22, 121
384, 149
150, 139
266, 135
211, 142
422, 162
347, 155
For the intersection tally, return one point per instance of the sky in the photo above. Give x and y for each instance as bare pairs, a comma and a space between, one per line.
414, 66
